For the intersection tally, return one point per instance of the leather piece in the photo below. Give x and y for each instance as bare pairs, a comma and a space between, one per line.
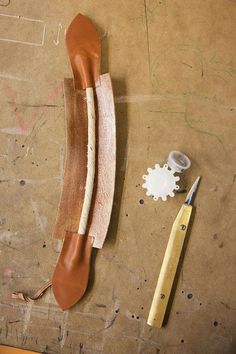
11, 350
106, 162
72, 195
71, 274
75, 169
83, 45
37, 295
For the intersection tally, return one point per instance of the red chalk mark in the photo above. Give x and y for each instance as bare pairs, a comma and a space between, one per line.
37, 110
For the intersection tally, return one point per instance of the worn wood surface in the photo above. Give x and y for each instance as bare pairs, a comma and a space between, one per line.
173, 70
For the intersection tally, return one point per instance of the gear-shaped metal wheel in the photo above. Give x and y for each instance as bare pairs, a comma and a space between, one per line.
160, 182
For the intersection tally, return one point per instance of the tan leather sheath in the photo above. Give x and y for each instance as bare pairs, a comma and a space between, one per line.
70, 277
83, 46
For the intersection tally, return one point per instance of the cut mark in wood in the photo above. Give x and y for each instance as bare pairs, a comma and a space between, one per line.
14, 131
12, 77
142, 98
41, 221
22, 30
27, 317
56, 42
5, 3
147, 35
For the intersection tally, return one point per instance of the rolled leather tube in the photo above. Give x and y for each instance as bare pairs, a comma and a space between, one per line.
70, 277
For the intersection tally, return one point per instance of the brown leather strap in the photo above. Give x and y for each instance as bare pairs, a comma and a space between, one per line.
75, 170
70, 277
39, 293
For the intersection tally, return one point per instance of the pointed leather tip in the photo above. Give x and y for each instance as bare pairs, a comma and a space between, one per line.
70, 278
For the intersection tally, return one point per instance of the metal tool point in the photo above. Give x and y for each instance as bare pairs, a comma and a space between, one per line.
190, 197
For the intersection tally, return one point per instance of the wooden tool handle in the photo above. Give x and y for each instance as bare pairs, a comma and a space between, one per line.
91, 161
169, 267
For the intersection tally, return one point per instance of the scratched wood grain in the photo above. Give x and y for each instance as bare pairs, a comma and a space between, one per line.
173, 70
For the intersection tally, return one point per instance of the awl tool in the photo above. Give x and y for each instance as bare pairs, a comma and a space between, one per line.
171, 260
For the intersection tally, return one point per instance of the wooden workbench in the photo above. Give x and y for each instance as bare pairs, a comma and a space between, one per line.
173, 70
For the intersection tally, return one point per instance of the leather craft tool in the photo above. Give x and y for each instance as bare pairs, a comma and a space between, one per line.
160, 181
171, 260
